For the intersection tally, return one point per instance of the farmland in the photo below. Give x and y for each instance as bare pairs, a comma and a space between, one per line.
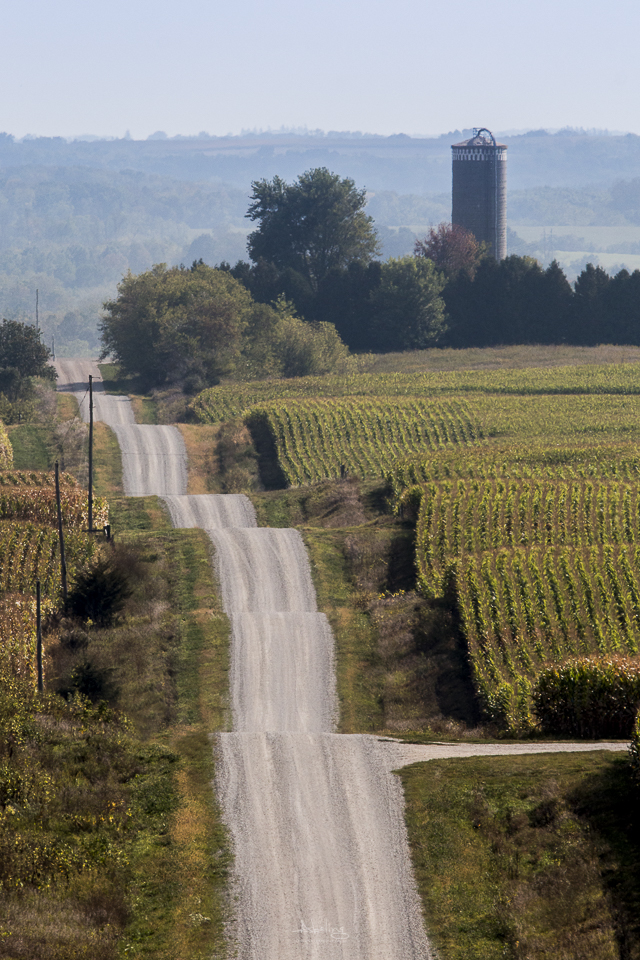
317, 438
32, 497
233, 399
469, 517
523, 485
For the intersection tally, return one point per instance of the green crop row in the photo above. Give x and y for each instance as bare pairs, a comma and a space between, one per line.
472, 516
6, 450
519, 463
232, 400
29, 553
317, 439
18, 638
35, 478
23, 503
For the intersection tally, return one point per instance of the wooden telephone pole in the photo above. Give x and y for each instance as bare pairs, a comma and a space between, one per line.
63, 562
90, 454
39, 639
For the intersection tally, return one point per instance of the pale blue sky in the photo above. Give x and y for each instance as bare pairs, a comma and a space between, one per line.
385, 66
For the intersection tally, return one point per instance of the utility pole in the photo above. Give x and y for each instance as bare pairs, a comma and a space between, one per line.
39, 639
90, 454
37, 318
63, 562
53, 348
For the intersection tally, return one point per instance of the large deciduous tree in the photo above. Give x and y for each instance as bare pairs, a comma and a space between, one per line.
312, 226
22, 356
22, 349
177, 324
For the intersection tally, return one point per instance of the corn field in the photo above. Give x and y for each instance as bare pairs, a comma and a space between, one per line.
235, 399
473, 516
29, 552
314, 439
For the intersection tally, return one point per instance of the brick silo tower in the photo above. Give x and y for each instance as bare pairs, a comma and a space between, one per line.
480, 189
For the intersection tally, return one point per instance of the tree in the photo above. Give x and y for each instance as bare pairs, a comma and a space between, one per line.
312, 226
281, 344
408, 312
589, 306
510, 301
452, 249
22, 349
22, 357
622, 308
177, 324
195, 326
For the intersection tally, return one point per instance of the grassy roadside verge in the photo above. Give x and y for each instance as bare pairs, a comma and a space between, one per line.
399, 663
178, 887
358, 668
201, 443
530, 858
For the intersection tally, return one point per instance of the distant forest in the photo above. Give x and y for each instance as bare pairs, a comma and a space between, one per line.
74, 217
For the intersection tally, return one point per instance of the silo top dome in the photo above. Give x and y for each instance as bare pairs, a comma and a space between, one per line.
481, 138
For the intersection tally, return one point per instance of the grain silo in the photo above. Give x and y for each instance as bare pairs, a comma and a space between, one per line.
480, 189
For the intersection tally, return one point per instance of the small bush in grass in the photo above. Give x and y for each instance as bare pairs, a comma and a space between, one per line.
634, 749
101, 591
589, 697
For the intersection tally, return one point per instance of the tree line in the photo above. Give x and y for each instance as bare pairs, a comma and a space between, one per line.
313, 287
451, 292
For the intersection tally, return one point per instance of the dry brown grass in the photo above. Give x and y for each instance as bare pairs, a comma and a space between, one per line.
73, 928
496, 358
204, 469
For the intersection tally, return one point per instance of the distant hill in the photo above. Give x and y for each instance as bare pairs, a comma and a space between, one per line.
400, 163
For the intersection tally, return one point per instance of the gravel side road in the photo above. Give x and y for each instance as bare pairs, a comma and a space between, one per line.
322, 864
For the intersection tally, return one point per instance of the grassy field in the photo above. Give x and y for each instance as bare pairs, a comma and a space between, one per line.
527, 857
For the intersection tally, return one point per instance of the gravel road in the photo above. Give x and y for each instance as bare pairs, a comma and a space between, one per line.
154, 458
322, 867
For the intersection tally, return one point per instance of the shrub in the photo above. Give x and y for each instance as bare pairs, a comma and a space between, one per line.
100, 591
589, 697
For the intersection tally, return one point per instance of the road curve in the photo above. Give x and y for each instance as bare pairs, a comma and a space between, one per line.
322, 866
154, 458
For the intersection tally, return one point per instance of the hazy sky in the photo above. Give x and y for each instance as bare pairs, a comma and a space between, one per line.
384, 66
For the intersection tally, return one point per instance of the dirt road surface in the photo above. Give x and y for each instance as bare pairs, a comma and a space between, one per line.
154, 458
322, 867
